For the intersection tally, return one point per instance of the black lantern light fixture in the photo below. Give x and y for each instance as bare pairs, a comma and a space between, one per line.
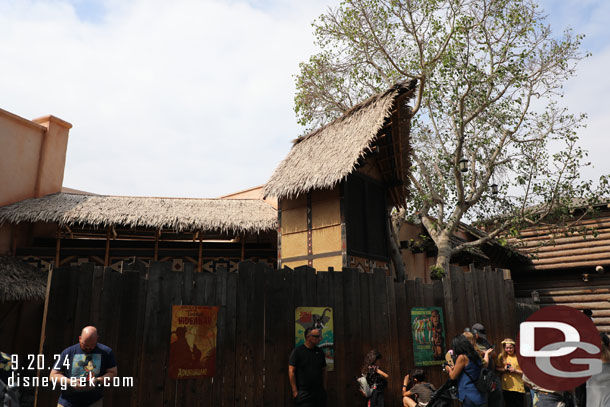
463, 164
494, 189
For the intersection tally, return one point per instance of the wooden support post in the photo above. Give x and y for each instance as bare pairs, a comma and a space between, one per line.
243, 246
107, 255
57, 245
44, 323
156, 253
14, 240
200, 256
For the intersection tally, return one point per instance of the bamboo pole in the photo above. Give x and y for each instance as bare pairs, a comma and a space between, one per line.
243, 247
156, 252
200, 256
107, 254
57, 246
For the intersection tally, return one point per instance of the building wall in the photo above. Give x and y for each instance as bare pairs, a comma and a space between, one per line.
32, 158
310, 230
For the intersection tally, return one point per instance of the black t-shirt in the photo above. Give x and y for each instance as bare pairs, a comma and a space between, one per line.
309, 364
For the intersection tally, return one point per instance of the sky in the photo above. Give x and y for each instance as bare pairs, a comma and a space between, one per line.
190, 98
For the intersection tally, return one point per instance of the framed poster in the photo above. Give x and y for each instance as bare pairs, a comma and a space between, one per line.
321, 318
192, 349
428, 328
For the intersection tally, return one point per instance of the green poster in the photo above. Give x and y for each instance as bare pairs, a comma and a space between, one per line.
427, 325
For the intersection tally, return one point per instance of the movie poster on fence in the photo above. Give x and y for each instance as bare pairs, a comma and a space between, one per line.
320, 318
192, 349
428, 327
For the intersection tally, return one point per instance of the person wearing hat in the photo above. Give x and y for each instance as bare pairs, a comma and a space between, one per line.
495, 398
478, 330
507, 364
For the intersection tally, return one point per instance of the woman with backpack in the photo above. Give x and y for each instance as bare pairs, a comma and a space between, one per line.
376, 378
466, 371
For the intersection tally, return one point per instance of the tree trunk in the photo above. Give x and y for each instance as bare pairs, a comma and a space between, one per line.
400, 269
443, 258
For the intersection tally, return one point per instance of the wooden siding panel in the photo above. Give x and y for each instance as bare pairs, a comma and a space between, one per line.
294, 220
326, 240
294, 245
325, 213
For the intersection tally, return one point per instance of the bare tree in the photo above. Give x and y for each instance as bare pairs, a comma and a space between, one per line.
489, 73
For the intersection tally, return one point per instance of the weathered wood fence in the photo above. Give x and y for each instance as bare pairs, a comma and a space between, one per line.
132, 311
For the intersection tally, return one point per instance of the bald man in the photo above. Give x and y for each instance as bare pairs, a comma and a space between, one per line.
89, 360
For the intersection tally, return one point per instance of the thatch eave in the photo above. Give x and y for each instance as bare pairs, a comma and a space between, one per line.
326, 156
20, 281
180, 214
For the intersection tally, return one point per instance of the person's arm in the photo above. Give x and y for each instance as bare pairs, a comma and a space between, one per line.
405, 384
456, 370
293, 380
382, 373
110, 372
486, 357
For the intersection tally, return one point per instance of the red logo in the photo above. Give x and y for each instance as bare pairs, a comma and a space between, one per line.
559, 348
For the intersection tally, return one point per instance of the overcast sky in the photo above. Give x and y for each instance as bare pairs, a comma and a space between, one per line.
195, 98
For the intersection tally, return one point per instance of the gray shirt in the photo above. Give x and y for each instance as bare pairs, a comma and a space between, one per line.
598, 388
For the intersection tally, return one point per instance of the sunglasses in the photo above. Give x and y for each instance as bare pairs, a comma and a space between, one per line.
315, 336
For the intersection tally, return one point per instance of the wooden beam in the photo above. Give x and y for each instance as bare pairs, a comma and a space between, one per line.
573, 252
566, 246
566, 265
561, 237
107, 254
570, 259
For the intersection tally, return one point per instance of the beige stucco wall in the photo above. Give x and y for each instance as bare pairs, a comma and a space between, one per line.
32, 156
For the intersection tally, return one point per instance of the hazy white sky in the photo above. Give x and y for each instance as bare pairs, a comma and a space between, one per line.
195, 98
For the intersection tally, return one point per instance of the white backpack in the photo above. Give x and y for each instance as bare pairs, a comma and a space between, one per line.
364, 386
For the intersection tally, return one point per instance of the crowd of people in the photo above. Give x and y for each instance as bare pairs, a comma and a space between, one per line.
478, 376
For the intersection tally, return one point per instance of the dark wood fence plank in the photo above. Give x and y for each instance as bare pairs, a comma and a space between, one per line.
257, 333
394, 367
353, 347
129, 343
276, 316
471, 313
342, 378
256, 326
230, 343
366, 313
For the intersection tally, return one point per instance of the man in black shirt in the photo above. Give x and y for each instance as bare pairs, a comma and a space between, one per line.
307, 371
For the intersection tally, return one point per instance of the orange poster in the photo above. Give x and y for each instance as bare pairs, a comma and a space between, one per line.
192, 349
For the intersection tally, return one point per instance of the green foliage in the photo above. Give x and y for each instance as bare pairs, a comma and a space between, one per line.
437, 272
489, 74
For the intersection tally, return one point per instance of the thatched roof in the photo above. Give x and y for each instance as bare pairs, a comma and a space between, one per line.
180, 214
326, 156
20, 281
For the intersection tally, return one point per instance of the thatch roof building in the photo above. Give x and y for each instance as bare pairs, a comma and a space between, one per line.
20, 281
336, 184
323, 158
180, 214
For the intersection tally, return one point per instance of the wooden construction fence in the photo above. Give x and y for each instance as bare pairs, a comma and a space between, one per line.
132, 311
